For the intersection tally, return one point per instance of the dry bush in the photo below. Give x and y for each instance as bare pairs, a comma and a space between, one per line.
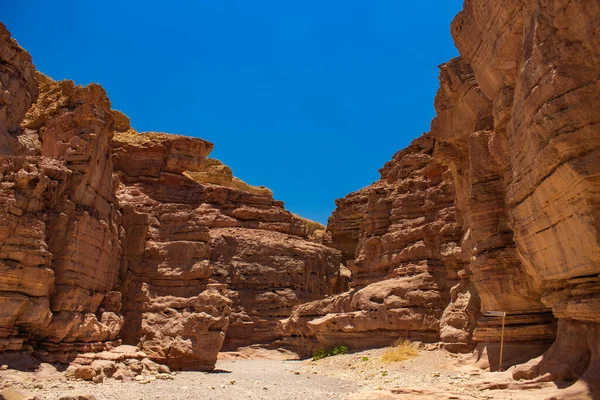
401, 350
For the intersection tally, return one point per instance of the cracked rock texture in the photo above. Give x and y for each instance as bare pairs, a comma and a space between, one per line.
401, 240
110, 235
518, 128
201, 249
18, 90
60, 230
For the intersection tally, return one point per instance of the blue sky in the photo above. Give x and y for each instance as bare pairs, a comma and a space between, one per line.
309, 98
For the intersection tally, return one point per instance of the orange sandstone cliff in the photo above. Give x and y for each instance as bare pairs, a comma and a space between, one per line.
517, 131
537, 65
111, 236
401, 240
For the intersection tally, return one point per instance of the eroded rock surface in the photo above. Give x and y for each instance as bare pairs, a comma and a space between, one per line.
464, 129
518, 127
517, 130
60, 227
121, 363
191, 227
268, 273
108, 234
401, 241
18, 90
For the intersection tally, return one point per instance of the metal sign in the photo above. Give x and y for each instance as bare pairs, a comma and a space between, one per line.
495, 313
503, 315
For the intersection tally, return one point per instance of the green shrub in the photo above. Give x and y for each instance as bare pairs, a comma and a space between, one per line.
337, 350
317, 355
341, 349
365, 358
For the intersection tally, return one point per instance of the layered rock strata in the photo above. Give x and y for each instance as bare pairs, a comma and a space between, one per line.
268, 274
60, 225
463, 128
541, 148
401, 241
108, 234
518, 126
190, 226
18, 90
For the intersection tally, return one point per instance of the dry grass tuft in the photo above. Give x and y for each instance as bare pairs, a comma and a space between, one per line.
401, 350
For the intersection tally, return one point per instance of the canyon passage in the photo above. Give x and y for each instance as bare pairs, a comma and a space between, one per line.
133, 265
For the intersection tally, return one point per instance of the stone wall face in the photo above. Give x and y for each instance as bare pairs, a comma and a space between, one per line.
401, 240
464, 127
61, 229
194, 248
18, 90
534, 69
517, 132
110, 235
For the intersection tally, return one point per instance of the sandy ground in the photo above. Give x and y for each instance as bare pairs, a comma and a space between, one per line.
359, 376
233, 379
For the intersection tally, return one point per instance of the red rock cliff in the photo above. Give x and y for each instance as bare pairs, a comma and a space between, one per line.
517, 129
109, 235
192, 228
401, 241
534, 69
60, 229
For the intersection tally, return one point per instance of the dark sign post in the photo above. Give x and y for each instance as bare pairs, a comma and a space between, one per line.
503, 315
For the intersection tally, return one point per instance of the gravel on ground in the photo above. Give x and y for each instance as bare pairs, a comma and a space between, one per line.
358, 376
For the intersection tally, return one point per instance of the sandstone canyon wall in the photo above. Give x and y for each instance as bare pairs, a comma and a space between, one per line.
517, 131
60, 223
518, 126
190, 226
109, 235
400, 238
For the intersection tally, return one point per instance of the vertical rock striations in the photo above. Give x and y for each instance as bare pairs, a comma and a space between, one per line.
517, 130
83, 228
172, 310
463, 128
59, 236
18, 90
535, 68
